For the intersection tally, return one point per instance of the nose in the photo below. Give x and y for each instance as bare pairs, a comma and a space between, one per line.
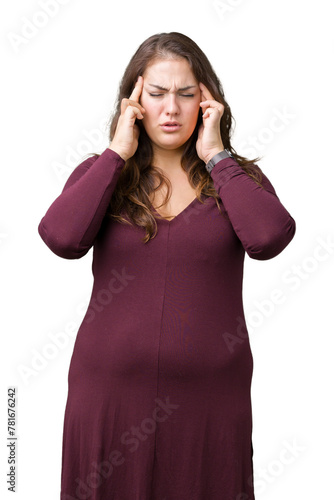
171, 104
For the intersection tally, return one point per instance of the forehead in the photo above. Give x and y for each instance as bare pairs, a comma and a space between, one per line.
167, 72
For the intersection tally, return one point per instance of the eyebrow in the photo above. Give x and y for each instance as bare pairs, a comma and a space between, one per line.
163, 88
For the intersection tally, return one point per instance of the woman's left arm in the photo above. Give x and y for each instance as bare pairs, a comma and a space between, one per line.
259, 219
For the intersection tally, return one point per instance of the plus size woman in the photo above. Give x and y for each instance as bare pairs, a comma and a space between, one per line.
159, 404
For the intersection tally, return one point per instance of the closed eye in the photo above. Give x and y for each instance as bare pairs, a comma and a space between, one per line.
181, 95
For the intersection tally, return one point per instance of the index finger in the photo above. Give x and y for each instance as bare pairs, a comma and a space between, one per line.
137, 90
205, 93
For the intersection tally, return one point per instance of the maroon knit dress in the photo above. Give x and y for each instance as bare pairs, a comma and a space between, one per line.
159, 404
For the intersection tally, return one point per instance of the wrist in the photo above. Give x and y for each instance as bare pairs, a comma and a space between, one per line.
225, 153
213, 153
118, 151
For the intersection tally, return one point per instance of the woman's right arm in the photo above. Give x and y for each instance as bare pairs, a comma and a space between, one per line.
72, 222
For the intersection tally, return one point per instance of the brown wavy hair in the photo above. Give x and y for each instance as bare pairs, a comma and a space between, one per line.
136, 182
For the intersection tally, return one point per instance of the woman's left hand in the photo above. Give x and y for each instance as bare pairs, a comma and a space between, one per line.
209, 141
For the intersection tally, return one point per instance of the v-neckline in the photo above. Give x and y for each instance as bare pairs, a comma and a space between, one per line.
178, 215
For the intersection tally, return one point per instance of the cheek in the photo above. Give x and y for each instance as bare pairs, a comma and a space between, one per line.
146, 101
193, 113
151, 114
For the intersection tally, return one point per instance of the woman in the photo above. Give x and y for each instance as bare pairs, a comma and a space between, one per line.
159, 401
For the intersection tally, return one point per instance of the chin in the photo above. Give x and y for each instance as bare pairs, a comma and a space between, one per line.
172, 143
173, 146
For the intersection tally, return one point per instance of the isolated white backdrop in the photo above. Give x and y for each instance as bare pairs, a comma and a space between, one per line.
59, 85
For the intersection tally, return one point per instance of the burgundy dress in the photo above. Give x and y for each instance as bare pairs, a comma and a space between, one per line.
159, 404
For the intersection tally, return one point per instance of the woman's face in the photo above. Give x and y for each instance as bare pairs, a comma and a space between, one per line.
170, 94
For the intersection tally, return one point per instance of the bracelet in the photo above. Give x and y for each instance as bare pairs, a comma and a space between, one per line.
216, 158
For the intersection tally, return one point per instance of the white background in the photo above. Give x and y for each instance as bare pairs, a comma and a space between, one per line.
58, 86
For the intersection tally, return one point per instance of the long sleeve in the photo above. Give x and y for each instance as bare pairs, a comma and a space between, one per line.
72, 222
259, 219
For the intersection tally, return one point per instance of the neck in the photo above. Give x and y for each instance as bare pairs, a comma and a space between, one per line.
168, 160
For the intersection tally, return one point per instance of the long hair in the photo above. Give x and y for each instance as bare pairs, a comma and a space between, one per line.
130, 202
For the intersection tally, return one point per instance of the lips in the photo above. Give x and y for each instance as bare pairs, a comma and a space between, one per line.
171, 123
170, 126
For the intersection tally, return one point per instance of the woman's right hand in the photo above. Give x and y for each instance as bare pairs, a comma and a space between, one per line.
125, 140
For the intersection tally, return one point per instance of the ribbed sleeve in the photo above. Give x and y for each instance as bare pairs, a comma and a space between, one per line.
259, 219
72, 222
